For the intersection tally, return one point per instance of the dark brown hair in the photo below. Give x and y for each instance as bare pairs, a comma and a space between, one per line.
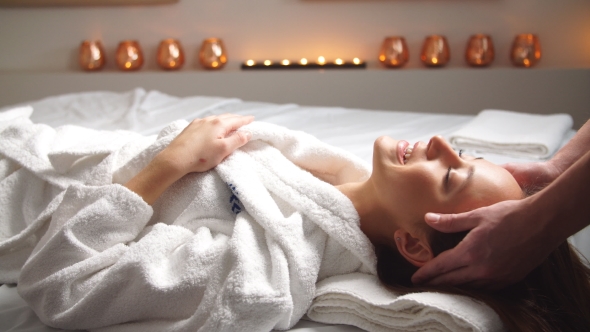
553, 297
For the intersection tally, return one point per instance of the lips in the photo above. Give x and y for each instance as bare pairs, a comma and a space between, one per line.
401, 150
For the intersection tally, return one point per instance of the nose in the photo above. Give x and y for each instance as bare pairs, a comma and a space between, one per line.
438, 147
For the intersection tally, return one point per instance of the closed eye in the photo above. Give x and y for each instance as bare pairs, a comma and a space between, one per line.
448, 175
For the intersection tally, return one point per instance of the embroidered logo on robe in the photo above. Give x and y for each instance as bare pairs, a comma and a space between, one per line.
234, 201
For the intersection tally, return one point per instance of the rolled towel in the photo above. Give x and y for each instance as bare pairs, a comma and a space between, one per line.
361, 300
516, 134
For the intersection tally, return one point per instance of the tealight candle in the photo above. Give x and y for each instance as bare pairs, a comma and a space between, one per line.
303, 63
91, 55
170, 54
394, 52
435, 51
526, 50
212, 54
129, 55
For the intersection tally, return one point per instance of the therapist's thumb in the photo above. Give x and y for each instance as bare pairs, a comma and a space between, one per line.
451, 223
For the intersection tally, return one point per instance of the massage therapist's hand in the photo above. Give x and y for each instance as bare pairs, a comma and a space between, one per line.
201, 146
501, 248
533, 175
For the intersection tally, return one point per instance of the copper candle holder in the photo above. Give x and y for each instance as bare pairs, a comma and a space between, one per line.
435, 51
394, 52
91, 55
129, 55
526, 50
212, 54
479, 51
170, 54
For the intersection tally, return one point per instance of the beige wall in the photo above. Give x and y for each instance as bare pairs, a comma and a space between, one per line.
46, 39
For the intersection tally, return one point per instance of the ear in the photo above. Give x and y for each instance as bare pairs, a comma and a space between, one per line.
415, 250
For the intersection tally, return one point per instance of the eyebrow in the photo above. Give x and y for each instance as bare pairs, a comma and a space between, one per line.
470, 172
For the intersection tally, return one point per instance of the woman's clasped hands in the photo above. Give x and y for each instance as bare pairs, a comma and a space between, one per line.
204, 143
201, 146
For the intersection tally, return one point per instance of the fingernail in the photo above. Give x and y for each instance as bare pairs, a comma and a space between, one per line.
432, 217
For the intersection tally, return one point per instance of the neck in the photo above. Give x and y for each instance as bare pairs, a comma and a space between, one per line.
374, 219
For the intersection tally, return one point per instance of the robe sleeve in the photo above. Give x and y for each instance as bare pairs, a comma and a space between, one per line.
87, 271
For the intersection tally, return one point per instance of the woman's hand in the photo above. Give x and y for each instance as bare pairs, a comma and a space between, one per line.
201, 146
204, 143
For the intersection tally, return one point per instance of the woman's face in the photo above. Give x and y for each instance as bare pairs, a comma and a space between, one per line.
434, 178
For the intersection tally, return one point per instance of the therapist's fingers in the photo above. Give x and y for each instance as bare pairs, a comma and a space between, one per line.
446, 267
453, 223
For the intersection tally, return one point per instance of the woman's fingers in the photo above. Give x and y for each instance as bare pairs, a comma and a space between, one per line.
232, 122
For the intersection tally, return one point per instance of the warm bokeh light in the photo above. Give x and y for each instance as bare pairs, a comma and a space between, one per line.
285, 62
321, 60
338, 61
250, 63
303, 61
267, 62
356, 61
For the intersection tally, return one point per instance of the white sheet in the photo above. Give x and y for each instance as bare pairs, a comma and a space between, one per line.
147, 112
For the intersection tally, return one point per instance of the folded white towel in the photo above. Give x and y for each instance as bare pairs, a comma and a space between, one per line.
361, 300
510, 133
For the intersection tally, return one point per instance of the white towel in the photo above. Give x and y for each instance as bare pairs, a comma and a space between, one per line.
516, 134
361, 300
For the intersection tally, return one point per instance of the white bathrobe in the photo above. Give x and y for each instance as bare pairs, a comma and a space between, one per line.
237, 248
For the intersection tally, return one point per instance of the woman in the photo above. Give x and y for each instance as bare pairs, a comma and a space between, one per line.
108, 259
555, 297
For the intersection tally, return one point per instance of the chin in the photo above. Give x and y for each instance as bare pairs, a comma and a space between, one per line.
384, 150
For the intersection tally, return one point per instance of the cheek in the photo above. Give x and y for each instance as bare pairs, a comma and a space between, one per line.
415, 192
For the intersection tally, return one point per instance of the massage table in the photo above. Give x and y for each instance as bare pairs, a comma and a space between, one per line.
147, 112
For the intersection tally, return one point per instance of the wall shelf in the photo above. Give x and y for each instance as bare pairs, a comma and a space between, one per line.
442, 90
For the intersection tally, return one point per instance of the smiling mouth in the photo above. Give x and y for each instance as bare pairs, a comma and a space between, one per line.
408, 153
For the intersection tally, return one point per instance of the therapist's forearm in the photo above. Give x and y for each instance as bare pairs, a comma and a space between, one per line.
563, 207
573, 150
